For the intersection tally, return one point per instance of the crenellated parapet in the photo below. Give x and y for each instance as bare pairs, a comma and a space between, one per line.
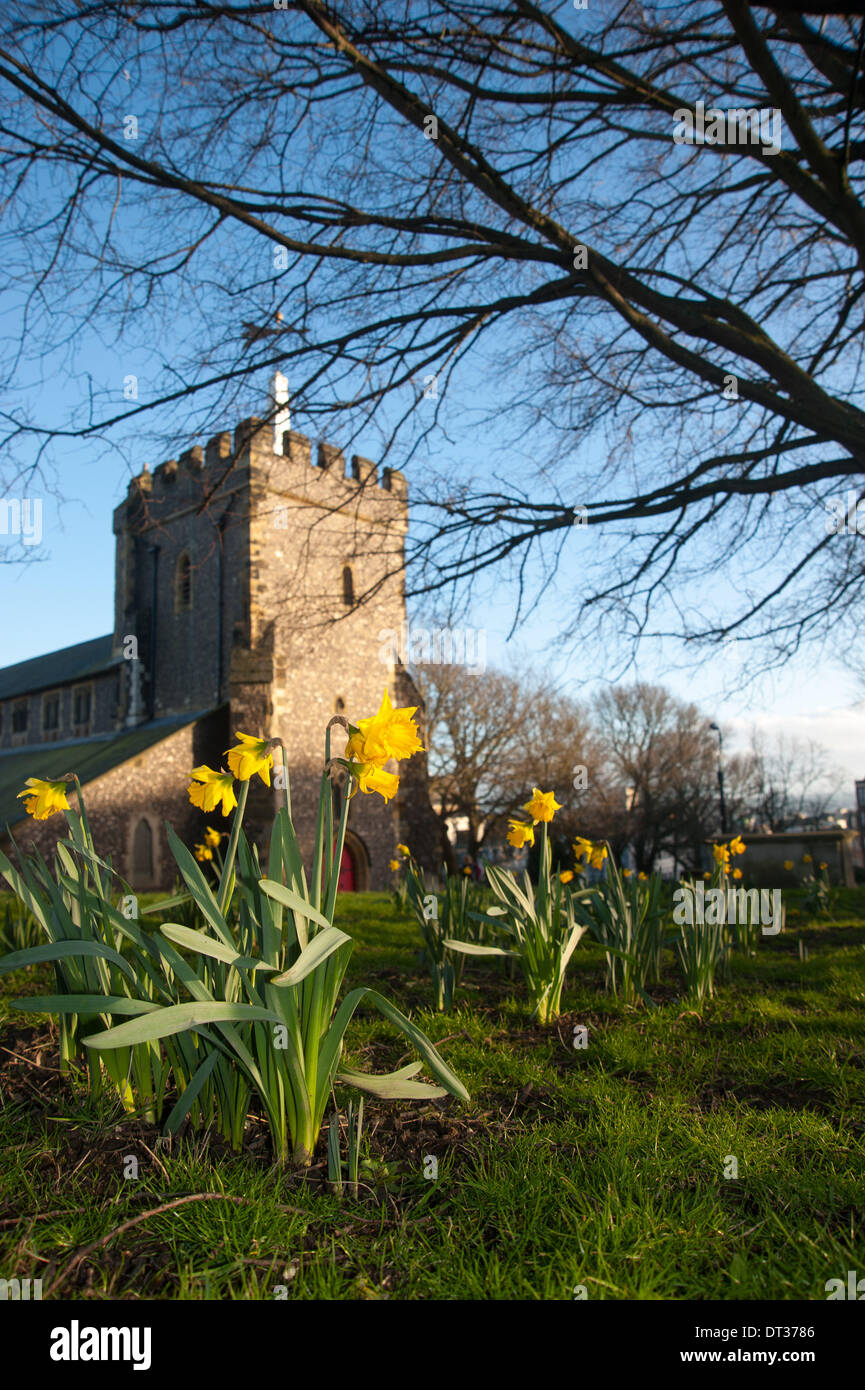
230, 459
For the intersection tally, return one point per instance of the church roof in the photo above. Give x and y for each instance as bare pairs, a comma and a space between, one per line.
88, 757
58, 668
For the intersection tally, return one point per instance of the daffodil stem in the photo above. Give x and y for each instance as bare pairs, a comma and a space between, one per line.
323, 852
285, 779
230, 853
544, 871
318, 860
67, 1039
88, 838
327, 792
333, 886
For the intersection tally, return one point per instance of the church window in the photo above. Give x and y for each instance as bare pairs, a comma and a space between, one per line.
50, 713
82, 704
142, 851
347, 586
19, 717
183, 584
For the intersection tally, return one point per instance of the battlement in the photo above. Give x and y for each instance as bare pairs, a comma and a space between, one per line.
255, 443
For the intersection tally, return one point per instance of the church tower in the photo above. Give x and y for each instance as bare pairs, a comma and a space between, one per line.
257, 582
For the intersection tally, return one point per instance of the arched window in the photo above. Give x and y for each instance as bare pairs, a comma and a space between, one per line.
183, 584
347, 586
142, 852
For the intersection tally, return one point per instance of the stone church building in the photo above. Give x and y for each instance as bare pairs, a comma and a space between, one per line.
254, 588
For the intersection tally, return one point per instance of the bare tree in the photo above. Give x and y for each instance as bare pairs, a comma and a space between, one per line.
433, 193
793, 783
492, 738
658, 774
742, 782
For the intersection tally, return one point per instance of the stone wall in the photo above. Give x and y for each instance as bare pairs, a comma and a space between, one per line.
763, 862
310, 521
105, 697
195, 510
151, 786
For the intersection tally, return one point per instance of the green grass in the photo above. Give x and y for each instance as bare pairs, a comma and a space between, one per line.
602, 1168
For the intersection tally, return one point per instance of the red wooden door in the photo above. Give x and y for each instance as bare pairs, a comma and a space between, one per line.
346, 872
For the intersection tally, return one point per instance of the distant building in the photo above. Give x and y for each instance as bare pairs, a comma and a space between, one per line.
766, 855
238, 573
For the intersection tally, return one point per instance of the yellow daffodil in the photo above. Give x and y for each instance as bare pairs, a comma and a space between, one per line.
543, 805
44, 799
722, 856
642, 877
520, 834
355, 749
737, 845
214, 787
393, 865
737, 873
788, 864
212, 838
806, 859
372, 778
404, 851
594, 854
823, 864
566, 876
707, 875
202, 853
249, 756
626, 873
467, 869
391, 733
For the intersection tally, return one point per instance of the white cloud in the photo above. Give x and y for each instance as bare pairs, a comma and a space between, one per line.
840, 730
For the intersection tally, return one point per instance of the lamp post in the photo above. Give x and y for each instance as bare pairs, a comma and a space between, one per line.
721, 778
